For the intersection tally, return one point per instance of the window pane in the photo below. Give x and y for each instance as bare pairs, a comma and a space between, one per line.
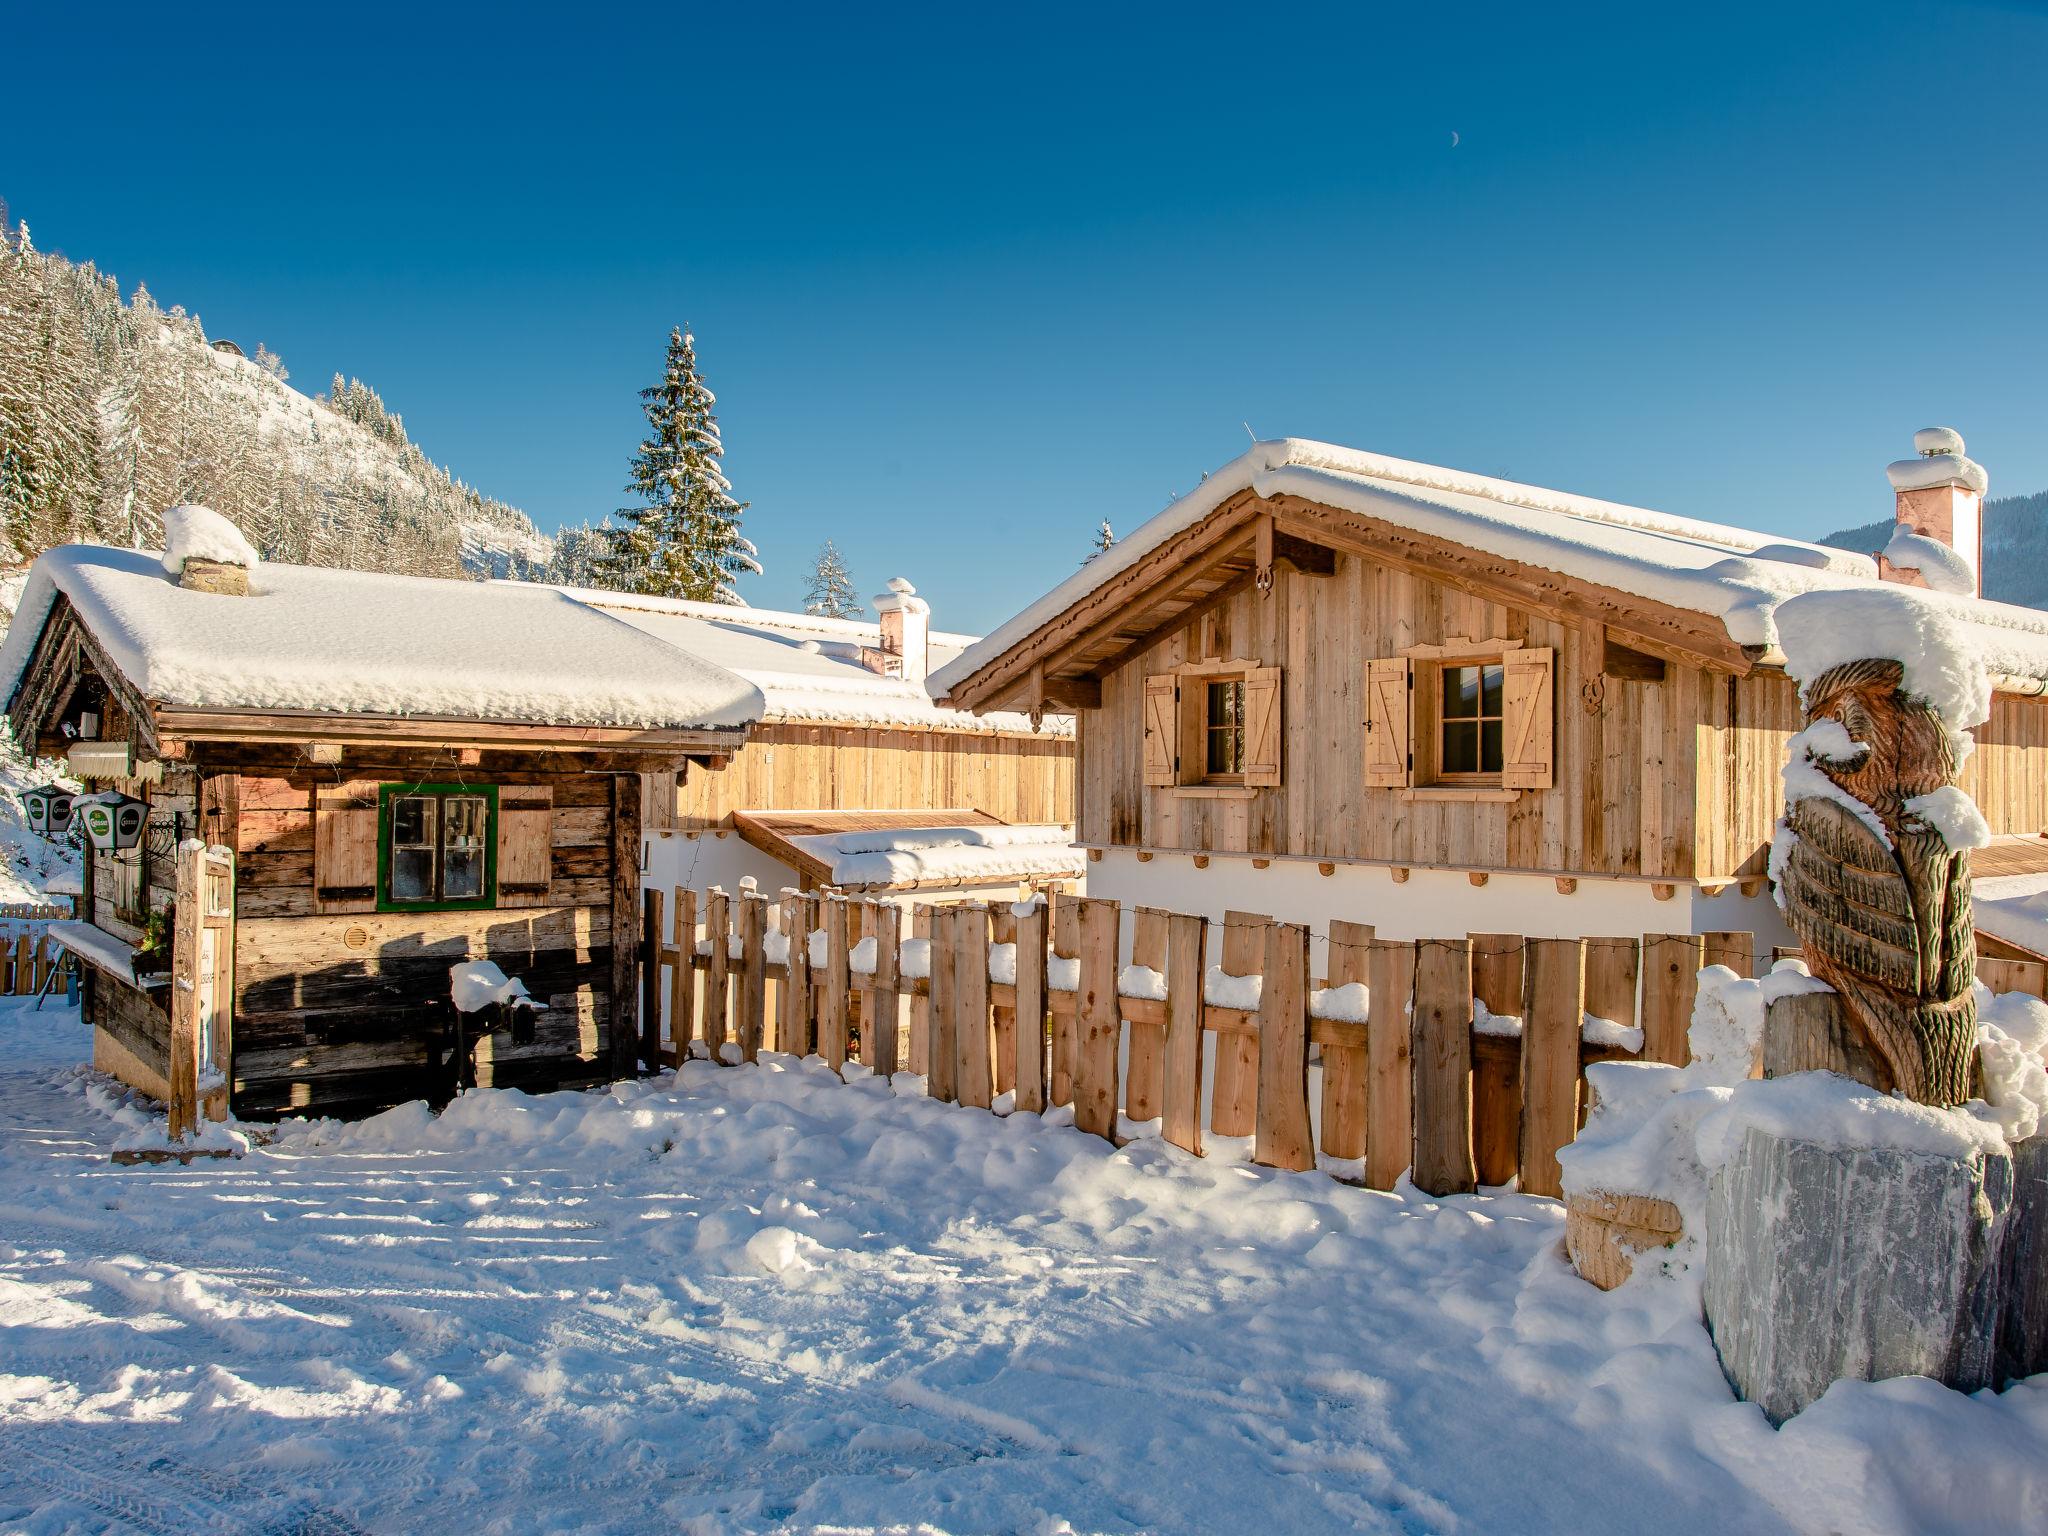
1226, 703
412, 874
412, 821
462, 877
1489, 703
1489, 747
1226, 750
463, 818
1461, 746
1461, 693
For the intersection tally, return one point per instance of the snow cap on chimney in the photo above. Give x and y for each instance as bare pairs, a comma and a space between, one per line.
1939, 495
205, 552
906, 630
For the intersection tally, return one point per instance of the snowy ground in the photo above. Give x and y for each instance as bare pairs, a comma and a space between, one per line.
759, 1300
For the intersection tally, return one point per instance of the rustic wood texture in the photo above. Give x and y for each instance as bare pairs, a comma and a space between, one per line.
1811, 1032
1737, 951
920, 1003
1497, 1059
834, 1025
1442, 1062
717, 973
650, 979
1002, 922
1671, 968
753, 1002
1234, 1077
1066, 945
1030, 1009
881, 1022
1145, 1058
1283, 1138
682, 979
1389, 1049
974, 1077
942, 1081
623, 877
1345, 1074
1098, 1023
1554, 1004
1181, 1091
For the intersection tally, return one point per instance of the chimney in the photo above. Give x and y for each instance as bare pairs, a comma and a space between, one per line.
220, 576
906, 631
204, 552
1940, 497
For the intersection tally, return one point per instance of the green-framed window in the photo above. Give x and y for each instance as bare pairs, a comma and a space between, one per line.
437, 847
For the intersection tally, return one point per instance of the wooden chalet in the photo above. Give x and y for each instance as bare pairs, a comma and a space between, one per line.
1329, 682
409, 773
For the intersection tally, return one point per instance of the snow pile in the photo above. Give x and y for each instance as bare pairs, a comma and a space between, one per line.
1002, 964
1486, 1022
2012, 1048
1942, 568
964, 854
2013, 908
1348, 1002
1220, 989
477, 984
1141, 981
1944, 660
200, 533
1835, 1111
1951, 812
1610, 1034
915, 958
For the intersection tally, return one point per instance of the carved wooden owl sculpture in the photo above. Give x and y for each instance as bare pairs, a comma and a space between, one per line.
1885, 917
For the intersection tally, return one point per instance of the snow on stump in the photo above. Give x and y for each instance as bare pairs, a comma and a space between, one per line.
1603, 1232
1831, 1258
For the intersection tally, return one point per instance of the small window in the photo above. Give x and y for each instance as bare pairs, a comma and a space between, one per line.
1469, 721
439, 848
1223, 732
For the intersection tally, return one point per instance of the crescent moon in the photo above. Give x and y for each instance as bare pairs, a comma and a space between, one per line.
1454, 138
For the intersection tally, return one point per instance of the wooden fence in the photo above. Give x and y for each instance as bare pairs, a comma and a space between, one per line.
26, 955
1462, 1059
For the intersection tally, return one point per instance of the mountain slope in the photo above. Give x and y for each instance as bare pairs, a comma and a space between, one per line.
2015, 534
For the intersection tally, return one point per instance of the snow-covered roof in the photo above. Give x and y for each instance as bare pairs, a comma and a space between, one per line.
356, 642
1731, 574
808, 668
945, 855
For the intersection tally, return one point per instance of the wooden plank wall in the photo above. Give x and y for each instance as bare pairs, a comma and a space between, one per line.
812, 767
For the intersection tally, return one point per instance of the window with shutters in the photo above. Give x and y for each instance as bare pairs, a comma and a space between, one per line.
1461, 718
437, 847
1213, 727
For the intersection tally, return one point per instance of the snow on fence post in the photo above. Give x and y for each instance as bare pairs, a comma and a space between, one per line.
1031, 939
943, 1068
1145, 1062
753, 1014
1283, 1138
921, 1002
1553, 1014
650, 979
881, 1012
1098, 1020
717, 929
973, 1079
1497, 1058
1671, 981
682, 976
832, 1021
1442, 1052
1181, 1094
1344, 1044
1066, 945
793, 1030
1002, 920
1234, 1083
1389, 1118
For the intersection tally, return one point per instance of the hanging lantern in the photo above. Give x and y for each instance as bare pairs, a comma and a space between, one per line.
113, 822
48, 808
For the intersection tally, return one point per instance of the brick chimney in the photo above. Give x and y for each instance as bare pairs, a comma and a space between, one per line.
906, 631
1941, 497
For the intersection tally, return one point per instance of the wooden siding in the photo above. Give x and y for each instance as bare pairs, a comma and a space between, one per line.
817, 767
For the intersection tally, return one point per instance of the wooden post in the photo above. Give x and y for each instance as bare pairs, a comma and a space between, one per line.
1808, 1032
753, 973
187, 1001
973, 1078
1003, 930
1497, 1059
1344, 1060
1031, 928
1284, 1139
1066, 945
1671, 981
718, 929
1181, 1096
1734, 949
650, 979
221, 919
1145, 1065
882, 1021
682, 980
795, 1025
1611, 967
1098, 1022
1442, 1048
832, 1025
1389, 1116
621, 1037
1553, 1009
921, 1002
942, 1080
1234, 1085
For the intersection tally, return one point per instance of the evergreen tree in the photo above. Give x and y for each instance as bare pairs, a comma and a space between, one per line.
830, 593
1105, 536
684, 540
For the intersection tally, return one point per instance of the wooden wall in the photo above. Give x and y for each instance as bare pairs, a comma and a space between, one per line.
815, 767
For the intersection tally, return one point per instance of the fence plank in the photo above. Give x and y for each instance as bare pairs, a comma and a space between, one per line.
1611, 967
832, 1022
1181, 1093
920, 1001
2030, 976
942, 1080
650, 979
881, 1028
1734, 949
718, 965
1066, 945
185, 998
1671, 981
1234, 1083
1497, 1059
24, 969
753, 1012
1145, 1060
1098, 1021
1344, 1066
793, 1032
1442, 1029
1389, 1116
1553, 1009
973, 1075
682, 976
1030, 1010
1283, 1138
1002, 922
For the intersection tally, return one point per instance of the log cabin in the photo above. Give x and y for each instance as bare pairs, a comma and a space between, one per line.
853, 777
1332, 683
410, 773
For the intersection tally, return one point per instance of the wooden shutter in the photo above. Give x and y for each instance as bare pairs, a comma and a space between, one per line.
1528, 731
526, 837
1389, 712
1262, 727
345, 847
1162, 734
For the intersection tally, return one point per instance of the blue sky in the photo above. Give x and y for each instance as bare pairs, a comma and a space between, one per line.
967, 282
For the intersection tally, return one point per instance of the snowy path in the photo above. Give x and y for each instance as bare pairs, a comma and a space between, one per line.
759, 1300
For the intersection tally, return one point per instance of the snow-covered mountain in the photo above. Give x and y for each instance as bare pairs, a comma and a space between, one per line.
2015, 533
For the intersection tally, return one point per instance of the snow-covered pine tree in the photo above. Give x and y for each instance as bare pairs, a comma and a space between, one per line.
830, 593
684, 540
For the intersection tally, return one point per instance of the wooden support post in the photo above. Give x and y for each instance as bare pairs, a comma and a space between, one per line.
1497, 1059
1389, 1115
650, 980
220, 1024
1553, 1008
1181, 1099
1003, 930
832, 1021
1283, 1138
1234, 1085
1344, 1061
1734, 949
1671, 981
881, 1024
1145, 1082
942, 1081
187, 1002
1442, 1048
682, 980
718, 929
794, 1027
920, 1002
1031, 930
1098, 1022
1066, 945
753, 973
973, 1078
622, 1039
